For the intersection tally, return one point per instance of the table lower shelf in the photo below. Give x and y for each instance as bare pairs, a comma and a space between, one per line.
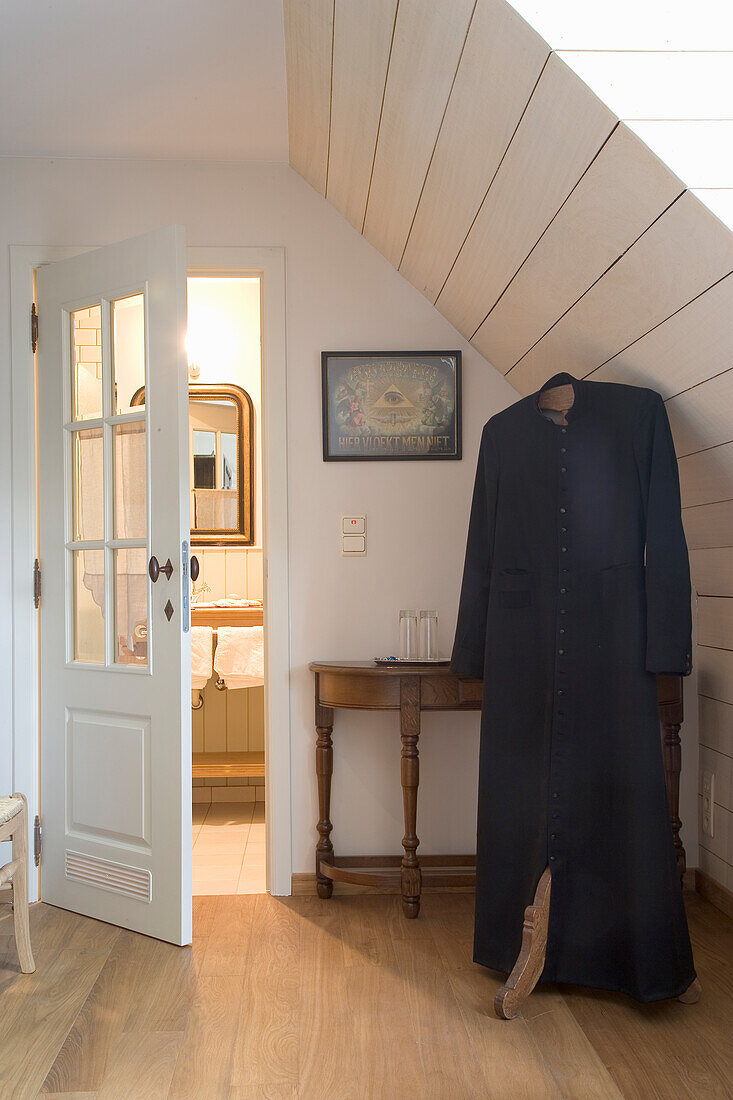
386, 871
212, 765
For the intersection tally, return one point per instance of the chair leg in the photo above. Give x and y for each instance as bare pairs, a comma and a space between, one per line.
531, 959
20, 893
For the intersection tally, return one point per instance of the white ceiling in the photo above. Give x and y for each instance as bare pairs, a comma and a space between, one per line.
189, 79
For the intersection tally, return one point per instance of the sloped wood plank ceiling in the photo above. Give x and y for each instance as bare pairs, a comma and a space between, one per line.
487, 172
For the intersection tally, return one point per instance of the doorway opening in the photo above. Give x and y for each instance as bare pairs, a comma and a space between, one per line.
113, 824
227, 596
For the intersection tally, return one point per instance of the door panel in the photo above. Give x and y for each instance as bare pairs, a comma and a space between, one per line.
115, 648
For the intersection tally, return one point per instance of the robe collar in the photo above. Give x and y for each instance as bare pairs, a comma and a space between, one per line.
562, 379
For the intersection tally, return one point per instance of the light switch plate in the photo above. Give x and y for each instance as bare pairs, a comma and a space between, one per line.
353, 525
352, 545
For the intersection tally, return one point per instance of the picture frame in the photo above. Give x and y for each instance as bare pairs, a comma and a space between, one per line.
391, 406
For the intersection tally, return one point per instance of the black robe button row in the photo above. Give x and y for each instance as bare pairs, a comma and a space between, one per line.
563, 510
563, 469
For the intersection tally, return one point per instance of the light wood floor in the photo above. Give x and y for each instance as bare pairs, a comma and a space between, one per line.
341, 999
229, 848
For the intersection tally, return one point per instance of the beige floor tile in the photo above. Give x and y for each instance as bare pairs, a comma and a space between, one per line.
229, 850
253, 883
223, 813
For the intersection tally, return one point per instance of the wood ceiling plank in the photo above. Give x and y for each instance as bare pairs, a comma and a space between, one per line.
682, 254
561, 131
715, 673
692, 345
308, 48
362, 38
501, 63
701, 417
716, 725
715, 621
623, 191
707, 477
428, 40
709, 525
712, 571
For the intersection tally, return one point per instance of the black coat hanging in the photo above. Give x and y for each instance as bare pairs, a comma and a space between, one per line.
576, 592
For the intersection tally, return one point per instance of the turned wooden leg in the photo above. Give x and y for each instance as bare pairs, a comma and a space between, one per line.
324, 771
20, 893
531, 959
410, 773
672, 768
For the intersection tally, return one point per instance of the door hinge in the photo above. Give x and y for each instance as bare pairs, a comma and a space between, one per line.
36, 583
34, 327
37, 840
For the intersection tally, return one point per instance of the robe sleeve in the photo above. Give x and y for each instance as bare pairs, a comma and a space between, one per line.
468, 648
668, 587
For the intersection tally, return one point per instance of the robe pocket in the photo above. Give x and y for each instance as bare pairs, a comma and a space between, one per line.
514, 588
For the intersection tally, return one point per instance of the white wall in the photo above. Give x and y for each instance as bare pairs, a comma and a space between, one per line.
341, 294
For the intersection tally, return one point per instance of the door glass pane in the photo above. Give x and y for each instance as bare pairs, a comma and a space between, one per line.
131, 606
130, 467
89, 605
88, 488
128, 346
86, 363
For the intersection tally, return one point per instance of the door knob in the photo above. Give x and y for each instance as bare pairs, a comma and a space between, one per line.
155, 569
194, 568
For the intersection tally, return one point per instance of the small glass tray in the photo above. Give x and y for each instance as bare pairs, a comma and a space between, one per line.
412, 660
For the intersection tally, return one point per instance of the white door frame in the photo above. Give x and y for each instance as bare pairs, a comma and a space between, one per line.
269, 264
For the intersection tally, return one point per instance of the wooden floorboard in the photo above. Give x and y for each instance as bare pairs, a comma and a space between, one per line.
308, 1000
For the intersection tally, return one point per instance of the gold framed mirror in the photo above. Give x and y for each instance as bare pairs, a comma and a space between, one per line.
221, 450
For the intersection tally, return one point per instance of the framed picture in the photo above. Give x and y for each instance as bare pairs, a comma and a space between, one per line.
394, 405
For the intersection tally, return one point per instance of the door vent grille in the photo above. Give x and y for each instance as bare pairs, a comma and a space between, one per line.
133, 882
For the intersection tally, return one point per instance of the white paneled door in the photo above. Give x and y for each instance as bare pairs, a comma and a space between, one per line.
115, 652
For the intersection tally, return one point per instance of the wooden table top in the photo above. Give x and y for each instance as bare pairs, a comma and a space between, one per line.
369, 668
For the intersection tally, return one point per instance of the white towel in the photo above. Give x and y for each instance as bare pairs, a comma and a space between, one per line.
240, 656
202, 645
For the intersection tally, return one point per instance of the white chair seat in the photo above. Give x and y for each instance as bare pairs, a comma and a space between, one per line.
9, 807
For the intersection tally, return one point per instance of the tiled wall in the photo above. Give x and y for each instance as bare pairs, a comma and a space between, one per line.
229, 721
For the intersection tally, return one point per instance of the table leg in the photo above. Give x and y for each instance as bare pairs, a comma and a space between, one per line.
410, 774
672, 766
324, 771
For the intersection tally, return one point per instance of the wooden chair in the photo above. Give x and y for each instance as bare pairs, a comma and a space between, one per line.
14, 826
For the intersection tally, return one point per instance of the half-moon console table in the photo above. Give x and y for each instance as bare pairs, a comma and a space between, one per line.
362, 685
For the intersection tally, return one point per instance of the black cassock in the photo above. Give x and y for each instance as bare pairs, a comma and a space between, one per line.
576, 592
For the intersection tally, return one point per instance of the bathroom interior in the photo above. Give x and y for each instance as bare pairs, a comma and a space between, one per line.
227, 687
